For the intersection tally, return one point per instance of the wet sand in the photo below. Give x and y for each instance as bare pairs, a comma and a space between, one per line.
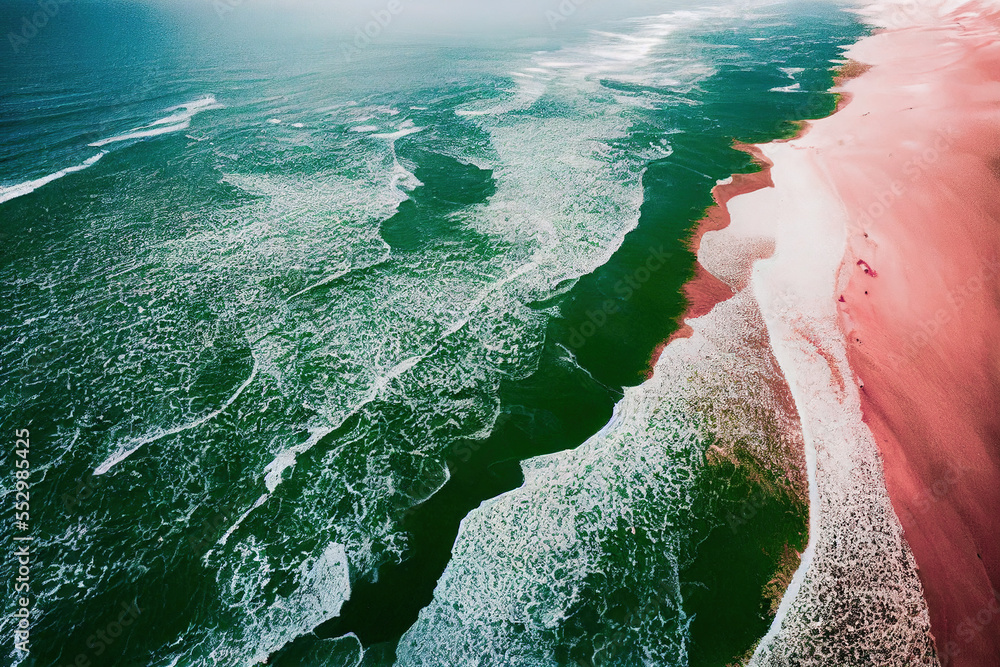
915, 158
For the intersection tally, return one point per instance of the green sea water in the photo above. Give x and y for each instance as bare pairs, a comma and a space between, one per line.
304, 314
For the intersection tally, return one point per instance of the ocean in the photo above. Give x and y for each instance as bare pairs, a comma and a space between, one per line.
282, 306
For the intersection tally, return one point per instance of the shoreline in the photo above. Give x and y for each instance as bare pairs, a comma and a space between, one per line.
725, 271
851, 395
920, 304
884, 322
706, 290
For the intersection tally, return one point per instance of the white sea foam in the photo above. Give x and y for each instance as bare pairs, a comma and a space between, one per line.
521, 561
543, 162
901, 14
323, 585
856, 558
144, 133
296, 277
854, 535
286, 458
126, 450
13, 191
175, 122
398, 134
232, 529
338, 326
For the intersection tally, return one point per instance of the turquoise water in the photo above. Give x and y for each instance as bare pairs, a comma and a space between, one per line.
295, 316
